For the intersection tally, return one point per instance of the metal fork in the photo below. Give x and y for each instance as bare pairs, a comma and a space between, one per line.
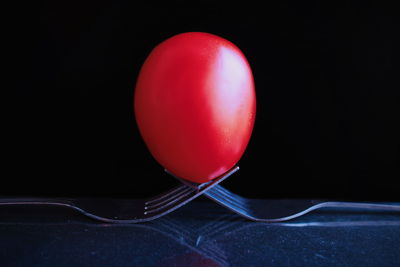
127, 210
278, 210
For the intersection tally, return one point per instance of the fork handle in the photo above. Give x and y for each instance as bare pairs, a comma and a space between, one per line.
34, 201
359, 205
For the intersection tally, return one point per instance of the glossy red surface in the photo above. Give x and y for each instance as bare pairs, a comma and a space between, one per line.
195, 105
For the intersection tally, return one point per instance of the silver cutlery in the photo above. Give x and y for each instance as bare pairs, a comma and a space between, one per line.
278, 210
126, 210
140, 210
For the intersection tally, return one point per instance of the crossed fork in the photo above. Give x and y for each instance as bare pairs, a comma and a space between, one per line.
140, 210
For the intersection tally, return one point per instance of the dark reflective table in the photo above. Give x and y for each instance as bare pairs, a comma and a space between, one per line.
199, 234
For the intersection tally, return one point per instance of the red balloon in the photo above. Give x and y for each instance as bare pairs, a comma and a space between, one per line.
195, 105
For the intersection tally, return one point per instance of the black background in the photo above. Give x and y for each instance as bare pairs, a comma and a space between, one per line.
327, 120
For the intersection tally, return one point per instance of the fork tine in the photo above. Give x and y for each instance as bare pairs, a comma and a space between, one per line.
233, 195
226, 202
230, 196
170, 202
167, 194
179, 196
167, 199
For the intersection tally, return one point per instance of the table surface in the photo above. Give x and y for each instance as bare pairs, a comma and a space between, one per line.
199, 234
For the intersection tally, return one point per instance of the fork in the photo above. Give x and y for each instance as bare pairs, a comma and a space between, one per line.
278, 210
127, 210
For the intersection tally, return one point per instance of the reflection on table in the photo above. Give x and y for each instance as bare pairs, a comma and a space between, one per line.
200, 234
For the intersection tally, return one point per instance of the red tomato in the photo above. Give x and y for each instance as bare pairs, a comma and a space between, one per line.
195, 105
